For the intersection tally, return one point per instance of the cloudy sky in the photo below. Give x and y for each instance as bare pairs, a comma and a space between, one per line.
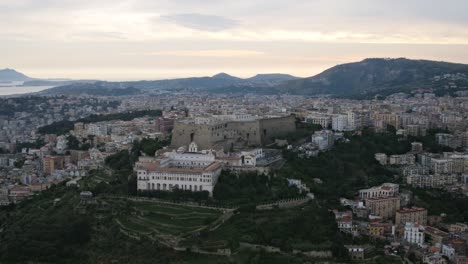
154, 39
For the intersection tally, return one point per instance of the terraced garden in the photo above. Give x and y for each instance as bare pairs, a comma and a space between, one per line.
168, 220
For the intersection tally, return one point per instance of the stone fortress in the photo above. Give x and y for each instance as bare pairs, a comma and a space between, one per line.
231, 132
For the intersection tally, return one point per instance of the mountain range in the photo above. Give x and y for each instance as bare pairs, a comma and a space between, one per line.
218, 81
373, 76
368, 77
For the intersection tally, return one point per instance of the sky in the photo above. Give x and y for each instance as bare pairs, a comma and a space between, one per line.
157, 39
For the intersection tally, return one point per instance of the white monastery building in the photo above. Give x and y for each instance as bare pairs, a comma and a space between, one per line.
186, 170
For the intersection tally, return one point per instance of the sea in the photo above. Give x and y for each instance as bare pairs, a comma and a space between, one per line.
14, 88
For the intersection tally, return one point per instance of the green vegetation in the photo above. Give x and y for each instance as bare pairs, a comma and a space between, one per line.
118, 179
265, 258
58, 128
311, 227
64, 126
10, 106
30, 145
429, 141
250, 188
55, 227
149, 146
439, 202
127, 116
96, 88
347, 167
121, 161
19, 162
165, 219
44, 230
121, 179
303, 131
75, 144
177, 195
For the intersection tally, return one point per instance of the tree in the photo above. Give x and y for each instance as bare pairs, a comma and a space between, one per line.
19, 163
120, 161
148, 146
73, 142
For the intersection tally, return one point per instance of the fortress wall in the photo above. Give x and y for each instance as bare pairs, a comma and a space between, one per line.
248, 131
183, 134
253, 133
272, 128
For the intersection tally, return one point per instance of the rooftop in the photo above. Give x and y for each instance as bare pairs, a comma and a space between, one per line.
411, 210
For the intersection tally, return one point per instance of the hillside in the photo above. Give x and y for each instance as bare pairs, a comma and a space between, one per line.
10, 75
218, 81
96, 88
372, 76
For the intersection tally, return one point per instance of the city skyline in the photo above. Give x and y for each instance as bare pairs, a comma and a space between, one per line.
127, 40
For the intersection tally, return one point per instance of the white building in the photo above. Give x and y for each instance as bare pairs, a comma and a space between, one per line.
97, 129
445, 139
319, 119
381, 158
431, 181
61, 145
193, 170
414, 233
340, 123
382, 191
354, 121
434, 258
249, 158
324, 139
403, 159
344, 220
441, 166
223, 118
448, 251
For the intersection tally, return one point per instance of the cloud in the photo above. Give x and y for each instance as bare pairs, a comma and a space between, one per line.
218, 53
100, 35
194, 37
201, 21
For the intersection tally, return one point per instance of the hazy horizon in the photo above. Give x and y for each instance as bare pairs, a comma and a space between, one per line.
142, 39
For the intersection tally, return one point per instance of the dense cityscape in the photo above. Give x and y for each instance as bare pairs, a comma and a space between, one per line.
225, 159
232, 132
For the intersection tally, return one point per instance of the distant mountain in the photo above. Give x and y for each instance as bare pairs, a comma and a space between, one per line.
95, 88
362, 79
373, 76
10, 75
225, 76
278, 77
218, 81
